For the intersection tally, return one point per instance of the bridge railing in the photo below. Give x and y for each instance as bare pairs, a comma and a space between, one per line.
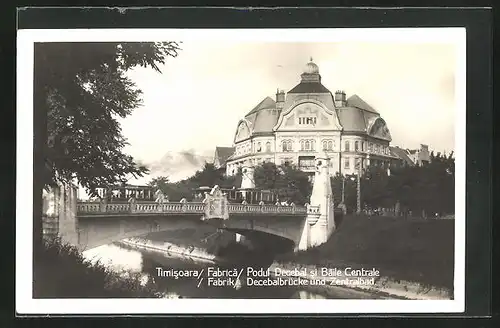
94, 207
243, 208
116, 208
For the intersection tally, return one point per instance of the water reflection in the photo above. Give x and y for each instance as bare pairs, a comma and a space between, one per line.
115, 257
121, 258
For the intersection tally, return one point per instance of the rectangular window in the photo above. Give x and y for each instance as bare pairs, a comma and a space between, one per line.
346, 163
347, 146
357, 164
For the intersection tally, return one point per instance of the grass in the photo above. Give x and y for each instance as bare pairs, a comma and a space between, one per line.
416, 250
63, 272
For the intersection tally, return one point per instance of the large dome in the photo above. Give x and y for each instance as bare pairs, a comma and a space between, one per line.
311, 68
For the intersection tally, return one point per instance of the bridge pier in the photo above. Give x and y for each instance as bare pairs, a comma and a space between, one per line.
319, 223
59, 213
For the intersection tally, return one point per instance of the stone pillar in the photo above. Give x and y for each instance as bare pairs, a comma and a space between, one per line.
319, 223
247, 180
60, 210
103, 204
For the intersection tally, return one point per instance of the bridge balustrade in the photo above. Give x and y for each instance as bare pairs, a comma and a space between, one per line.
96, 208
117, 208
88, 207
147, 208
193, 207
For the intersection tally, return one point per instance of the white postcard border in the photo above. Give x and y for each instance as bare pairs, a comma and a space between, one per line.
25, 304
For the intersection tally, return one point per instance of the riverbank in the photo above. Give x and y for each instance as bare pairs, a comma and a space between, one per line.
331, 284
406, 250
166, 247
61, 271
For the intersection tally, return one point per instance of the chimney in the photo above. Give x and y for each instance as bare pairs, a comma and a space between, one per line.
280, 99
340, 100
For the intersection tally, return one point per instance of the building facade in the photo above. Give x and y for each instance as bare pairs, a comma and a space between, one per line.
411, 157
308, 121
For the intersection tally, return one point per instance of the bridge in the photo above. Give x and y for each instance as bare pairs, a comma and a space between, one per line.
91, 209
91, 224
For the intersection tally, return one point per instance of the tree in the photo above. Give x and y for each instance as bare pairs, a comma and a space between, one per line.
296, 183
268, 176
208, 176
233, 180
375, 188
159, 183
80, 90
345, 184
84, 89
290, 183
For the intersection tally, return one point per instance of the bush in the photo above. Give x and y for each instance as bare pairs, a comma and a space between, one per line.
61, 271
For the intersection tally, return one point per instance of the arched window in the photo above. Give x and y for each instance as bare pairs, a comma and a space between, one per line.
268, 147
330, 145
325, 145
307, 145
287, 145
283, 145
356, 146
347, 146
259, 147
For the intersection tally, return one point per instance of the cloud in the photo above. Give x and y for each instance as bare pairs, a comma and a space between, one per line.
177, 165
204, 92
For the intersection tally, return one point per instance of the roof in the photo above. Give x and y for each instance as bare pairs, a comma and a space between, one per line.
352, 119
222, 154
265, 120
401, 153
309, 87
266, 103
356, 101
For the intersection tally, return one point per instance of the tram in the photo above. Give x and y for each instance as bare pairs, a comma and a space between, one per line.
122, 193
237, 195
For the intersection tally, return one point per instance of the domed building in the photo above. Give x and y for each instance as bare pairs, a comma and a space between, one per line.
307, 121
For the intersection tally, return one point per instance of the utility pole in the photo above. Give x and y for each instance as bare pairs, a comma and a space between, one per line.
359, 193
343, 189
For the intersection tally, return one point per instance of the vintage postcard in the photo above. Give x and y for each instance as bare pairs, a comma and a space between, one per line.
241, 171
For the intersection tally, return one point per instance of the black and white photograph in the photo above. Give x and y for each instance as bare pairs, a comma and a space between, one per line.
242, 171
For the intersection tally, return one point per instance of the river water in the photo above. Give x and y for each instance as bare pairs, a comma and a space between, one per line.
149, 264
